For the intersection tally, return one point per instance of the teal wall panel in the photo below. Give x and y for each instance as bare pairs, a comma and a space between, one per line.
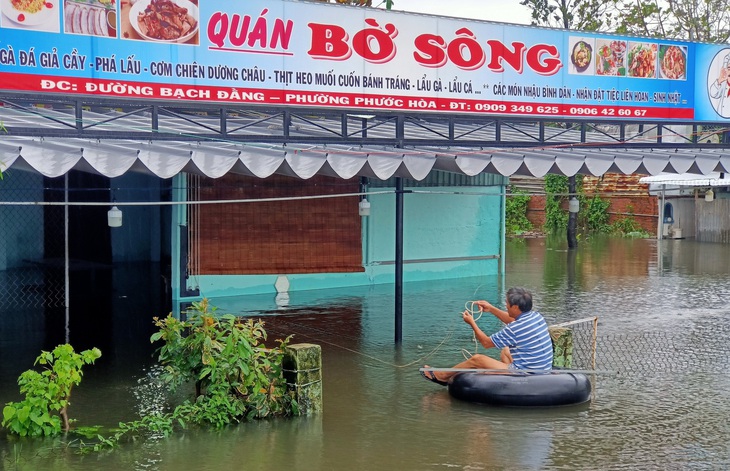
449, 232
436, 225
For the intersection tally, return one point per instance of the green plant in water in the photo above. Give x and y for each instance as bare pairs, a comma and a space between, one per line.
235, 375
44, 411
516, 220
593, 216
627, 226
556, 218
225, 356
596, 215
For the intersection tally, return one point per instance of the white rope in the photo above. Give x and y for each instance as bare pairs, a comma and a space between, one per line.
376, 359
176, 203
284, 198
469, 305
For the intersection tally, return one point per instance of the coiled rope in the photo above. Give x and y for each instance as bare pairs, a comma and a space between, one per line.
469, 305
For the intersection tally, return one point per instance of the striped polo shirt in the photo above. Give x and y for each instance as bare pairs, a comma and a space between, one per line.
528, 340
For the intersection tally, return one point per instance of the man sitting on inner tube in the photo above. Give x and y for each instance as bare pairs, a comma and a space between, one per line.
525, 340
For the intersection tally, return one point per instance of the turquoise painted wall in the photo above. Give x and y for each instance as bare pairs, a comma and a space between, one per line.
446, 236
463, 231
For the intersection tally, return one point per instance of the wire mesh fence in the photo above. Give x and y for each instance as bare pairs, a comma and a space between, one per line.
631, 354
27, 276
574, 343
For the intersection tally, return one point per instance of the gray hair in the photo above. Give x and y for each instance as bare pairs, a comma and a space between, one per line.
520, 297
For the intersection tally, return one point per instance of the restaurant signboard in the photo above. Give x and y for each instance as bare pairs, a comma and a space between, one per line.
273, 52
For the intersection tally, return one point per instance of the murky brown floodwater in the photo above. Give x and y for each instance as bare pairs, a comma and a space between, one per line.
661, 401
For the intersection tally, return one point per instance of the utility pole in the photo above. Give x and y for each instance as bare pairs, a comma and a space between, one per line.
572, 214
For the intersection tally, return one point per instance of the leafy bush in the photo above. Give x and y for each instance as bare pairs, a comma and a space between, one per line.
596, 215
48, 393
236, 376
516, 212
556, 218
628, 226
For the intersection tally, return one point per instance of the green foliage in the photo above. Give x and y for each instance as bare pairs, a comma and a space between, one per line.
593, 216
642, 18
595, 213
87, 432
627, 226
159, 424
236, 376
693, 20
226, 358
48, 393
516, 212
587, 15
556, 219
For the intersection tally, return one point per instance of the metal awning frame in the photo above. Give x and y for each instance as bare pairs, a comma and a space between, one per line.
96, 118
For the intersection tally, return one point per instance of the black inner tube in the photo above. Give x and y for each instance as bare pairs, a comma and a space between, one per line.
521, 389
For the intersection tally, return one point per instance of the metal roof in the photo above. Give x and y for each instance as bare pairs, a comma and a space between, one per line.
685, 179
165, 141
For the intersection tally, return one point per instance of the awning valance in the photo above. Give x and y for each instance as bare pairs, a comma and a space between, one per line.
112, 158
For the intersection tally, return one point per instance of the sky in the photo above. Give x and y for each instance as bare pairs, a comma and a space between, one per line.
508, 11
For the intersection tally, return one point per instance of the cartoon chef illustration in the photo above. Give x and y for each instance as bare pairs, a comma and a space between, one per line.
720, 86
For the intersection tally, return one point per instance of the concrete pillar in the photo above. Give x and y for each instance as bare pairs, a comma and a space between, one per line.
562, 346
303, 374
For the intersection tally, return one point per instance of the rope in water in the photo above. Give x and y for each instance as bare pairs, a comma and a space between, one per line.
476, 313
469, 305
448, 336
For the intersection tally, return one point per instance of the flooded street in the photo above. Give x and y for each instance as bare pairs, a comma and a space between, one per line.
661, 396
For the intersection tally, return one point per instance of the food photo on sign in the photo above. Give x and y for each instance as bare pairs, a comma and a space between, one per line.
610, 57
162, 21
581, 56
673, 62
33, 15
642, 59
90, 17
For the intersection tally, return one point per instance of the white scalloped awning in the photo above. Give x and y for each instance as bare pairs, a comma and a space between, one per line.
55, 155
165, 159
687, 179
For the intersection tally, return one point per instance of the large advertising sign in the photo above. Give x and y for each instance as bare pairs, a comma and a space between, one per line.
304, 54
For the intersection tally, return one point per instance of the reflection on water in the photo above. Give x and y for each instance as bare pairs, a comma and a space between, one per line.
661, 402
